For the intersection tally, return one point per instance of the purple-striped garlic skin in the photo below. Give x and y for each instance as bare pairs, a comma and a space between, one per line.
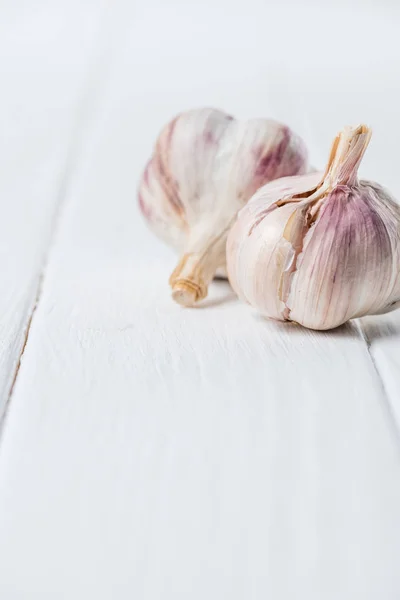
319, 249
205, 167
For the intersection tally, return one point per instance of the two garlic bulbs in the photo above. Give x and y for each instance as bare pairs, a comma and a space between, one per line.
322, 248
205, 167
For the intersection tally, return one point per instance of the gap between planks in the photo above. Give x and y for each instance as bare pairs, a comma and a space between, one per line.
59, 205
97, 77
387, 405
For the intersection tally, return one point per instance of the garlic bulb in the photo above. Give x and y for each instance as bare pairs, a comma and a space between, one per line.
322, 248
204, 168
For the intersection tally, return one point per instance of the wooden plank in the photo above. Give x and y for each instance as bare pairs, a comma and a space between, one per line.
154, 452
42, 80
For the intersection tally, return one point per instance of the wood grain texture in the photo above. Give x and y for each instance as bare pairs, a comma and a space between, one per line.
42, 83
159, 453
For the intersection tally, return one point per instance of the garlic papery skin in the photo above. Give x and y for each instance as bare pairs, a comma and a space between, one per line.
322, 248
205, 167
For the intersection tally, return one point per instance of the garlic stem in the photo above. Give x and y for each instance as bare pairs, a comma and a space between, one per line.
193, 274
346, 154
189, 280
186, 282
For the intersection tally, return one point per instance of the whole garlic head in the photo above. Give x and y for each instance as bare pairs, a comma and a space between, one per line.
205, 167
322, 248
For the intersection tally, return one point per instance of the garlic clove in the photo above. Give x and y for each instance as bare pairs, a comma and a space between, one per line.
351, 284
266, 244
204, 168
272, 254
324, 251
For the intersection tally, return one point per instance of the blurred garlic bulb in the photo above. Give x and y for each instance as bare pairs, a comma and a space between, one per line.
204, 168
322, 248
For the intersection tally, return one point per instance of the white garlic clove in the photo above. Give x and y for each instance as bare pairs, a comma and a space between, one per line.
205, 167
324, 251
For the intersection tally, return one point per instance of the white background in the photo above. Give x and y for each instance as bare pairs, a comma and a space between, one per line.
157, 453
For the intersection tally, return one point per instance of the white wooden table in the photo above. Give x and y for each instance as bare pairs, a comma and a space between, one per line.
150, 452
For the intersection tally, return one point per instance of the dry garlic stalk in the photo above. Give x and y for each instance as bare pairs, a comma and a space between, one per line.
322, 248
204, 168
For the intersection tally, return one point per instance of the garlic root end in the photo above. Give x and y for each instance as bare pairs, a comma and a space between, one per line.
190, 279
186, 292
